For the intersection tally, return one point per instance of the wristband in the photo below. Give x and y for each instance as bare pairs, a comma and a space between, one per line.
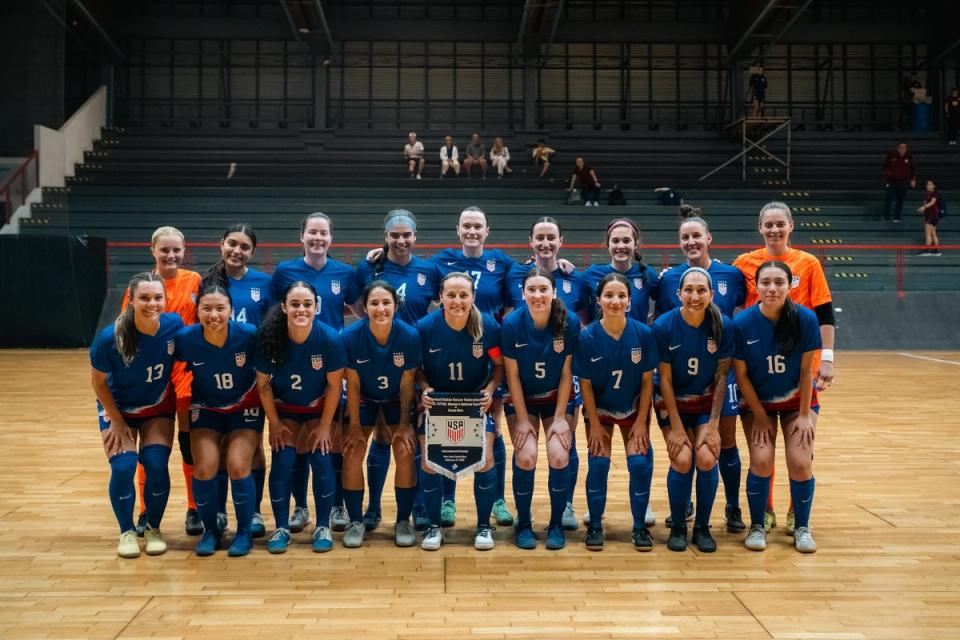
826, 355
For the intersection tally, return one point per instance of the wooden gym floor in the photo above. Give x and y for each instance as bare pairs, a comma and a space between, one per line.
886, 518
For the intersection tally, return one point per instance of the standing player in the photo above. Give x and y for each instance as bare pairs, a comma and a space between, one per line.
776, 344
808, 288
383, 355
299, 365
131, 362
695, 343
250, 294
225, 414
336, 285
168, 248
538, 341
461, 353
615, 360
729, 293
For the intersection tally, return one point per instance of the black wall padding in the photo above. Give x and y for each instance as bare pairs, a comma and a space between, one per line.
52, 288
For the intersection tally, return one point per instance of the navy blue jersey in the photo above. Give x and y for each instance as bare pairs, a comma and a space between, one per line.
250, 296
489, 273
300, 382
417, 284
729, 288
775, 377
453, 360
336, 284
641, 293
539, 355
570, 287
223, 377
615, 368
140, 387
693, 356
380, 367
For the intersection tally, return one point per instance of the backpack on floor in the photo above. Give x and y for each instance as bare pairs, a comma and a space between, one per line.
574, 197
617, 199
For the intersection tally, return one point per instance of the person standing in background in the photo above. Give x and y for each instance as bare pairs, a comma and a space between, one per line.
899, 170
952, 109
758, 91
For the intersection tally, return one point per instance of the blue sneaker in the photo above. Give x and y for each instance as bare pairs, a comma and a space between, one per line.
524, 539
420, 519
555, 538
209, 543
258, 528
322, 539
278, 541
241, 545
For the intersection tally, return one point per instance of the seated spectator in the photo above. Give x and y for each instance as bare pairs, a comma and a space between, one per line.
541, 156
499, 157
413, 154
476, 155
449, 157
589, 183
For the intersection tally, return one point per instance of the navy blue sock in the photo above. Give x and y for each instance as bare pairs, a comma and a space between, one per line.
485, 494
640, 468
449, 489
206, 493
281, 476
223, 479
336, 459
244, 493
432, 495
500, 464
707, 482
802, 493
123, 467
758, 490
324, 486
558, 483
156, 490
418, 461
574, 468
597, 470
679, 488
404, 502
729, 464
301, 475
378, 464
523, 481
259, 479
353, 499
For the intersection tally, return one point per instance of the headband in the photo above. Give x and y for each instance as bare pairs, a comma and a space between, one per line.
697, 270
622, 221
399, 216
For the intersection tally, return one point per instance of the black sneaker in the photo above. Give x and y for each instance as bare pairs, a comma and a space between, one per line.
734, 520
678, 538
703, 540
141, 524
594, 538
688, 514
642, 540
192, 524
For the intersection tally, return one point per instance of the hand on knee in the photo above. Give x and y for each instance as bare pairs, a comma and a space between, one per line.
683, 461
705, 458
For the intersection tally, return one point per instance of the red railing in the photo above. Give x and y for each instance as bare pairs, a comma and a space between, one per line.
10, 196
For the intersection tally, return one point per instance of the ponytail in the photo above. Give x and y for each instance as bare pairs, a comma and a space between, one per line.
380, 264
716, 323
475, 324
272, 335
124, 327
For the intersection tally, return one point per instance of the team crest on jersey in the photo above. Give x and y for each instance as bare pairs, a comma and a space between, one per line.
456, 429
316, 362
795, 282
664, 414
240, 358
636, 355
711, 345
638, 283
477, 349
558, 345
194, 415
335, 287
421, 279
255, 294
171, 346
722, 287
491, 265
398, 360
567, 287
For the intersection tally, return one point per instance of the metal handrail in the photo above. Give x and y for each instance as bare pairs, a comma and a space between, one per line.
7, 186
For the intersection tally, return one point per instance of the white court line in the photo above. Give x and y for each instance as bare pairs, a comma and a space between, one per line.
913, 355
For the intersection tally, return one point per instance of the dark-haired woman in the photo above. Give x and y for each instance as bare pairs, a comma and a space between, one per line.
131, 363
695, 343
776, 344
299, 364
250, 294
538, 341
615, 359
225, 414
383, 355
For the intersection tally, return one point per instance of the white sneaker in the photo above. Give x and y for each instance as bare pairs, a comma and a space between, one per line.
353, 538
300, 519
482, 538
586, 517
155, 544
432, 538
803, 540
757, 539
129, 546
339, 520
649, 519
419, 177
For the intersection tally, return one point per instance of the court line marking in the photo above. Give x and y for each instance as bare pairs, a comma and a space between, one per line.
752, 614
913, 355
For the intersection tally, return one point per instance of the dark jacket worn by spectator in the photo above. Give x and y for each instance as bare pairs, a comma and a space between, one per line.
899, 168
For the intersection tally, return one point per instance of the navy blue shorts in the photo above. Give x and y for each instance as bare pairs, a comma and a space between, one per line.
689, 420
224, 423
731, 401
541, 410
134, 422
370, 411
